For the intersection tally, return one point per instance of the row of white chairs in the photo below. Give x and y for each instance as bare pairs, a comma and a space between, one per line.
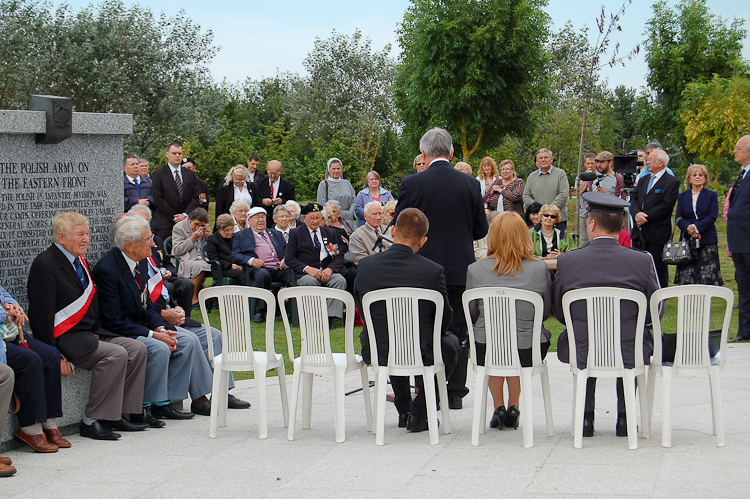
316, 356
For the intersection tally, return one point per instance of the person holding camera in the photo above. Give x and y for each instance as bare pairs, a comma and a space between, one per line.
188, 237
697, 209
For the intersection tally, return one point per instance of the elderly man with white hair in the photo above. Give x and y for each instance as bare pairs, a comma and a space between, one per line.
548, 185
369, 239
121, 278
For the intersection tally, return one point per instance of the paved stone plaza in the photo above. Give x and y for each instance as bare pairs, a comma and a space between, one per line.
181, 461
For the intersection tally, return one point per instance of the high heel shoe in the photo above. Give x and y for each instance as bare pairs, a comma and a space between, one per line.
498, 417
512, 420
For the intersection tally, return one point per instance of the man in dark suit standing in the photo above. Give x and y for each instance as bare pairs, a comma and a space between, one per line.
313, 253
397, 267
651, 206
738, 235
63, 309
451, 200
137, 188
175, 192
203, 197
626, 269
263, 250
121, 278
254, 175
274, 190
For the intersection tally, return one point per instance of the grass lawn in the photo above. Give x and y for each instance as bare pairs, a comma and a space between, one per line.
668, 323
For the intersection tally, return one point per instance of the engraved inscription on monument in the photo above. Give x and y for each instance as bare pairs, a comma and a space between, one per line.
38, 181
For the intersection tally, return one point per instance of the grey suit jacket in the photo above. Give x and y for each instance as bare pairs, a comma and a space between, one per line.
603, 263
361, 242
534, 277
191, 263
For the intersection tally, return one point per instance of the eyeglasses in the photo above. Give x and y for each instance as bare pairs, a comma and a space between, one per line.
391, 213
149, 240
422, 163
548, 215
696, 175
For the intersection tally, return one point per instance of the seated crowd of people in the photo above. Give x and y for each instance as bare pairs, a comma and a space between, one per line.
127, 319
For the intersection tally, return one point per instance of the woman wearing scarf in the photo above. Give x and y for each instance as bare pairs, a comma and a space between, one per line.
336, 188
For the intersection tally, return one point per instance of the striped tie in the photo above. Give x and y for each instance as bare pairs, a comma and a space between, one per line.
178, 181
79, 270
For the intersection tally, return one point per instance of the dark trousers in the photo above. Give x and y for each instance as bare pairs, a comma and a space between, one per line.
38, 381
457, 380
181, 290
742, 276
263, 277
662, 270
450, 347
590, 399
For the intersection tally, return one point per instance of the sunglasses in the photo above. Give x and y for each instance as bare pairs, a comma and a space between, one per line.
547, 215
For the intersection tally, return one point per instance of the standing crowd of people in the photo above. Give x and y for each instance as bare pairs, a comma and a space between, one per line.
127, 319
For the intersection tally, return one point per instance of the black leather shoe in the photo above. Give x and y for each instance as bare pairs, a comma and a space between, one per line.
124, 425
169, 412
203, 409
588, 427
415, 424
738, 340
402, 419
513, 415
333, 322
146, 417
455, 402
621, 428
498, 418
258, 317
97, 431
235, 403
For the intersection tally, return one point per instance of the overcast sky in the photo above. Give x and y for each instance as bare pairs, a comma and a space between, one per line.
259, 38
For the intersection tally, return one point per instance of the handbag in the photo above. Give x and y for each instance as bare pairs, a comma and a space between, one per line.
678, 252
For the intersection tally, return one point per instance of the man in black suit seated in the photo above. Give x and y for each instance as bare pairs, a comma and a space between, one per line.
137, 188
180, 289
274, 190
451, 200
263, 250
400, 266
313, 253
175, 192
651, 206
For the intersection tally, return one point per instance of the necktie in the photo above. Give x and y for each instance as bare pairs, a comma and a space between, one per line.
316, 241
286, 236
270, 186
137, 185
651, 183
265, 239
79, 270
737, 182
378, 240
178, 181
137, 276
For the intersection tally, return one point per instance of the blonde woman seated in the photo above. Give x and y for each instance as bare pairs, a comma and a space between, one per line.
239, 211
548, 240
510, 263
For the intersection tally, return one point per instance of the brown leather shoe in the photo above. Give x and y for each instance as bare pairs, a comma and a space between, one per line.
37, 442
54, 437
6, 460
7, 470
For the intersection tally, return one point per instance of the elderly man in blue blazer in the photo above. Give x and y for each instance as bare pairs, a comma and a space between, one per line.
126, 310
262, 250
137, 188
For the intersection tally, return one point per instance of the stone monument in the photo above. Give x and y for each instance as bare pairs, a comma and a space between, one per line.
54, 160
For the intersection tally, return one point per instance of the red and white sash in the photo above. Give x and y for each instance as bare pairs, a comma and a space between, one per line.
155, 282
73, 313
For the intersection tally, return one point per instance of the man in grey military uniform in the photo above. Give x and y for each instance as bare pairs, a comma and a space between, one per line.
603, 263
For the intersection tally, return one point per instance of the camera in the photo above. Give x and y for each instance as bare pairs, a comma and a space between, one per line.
628, 166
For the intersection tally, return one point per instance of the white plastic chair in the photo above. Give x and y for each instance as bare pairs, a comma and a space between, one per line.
317, 357
605, 353
692, 357
502, 355
405, 353
238, 354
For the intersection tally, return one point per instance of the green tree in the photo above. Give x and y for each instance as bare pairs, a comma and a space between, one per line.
475, 67
684, 45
